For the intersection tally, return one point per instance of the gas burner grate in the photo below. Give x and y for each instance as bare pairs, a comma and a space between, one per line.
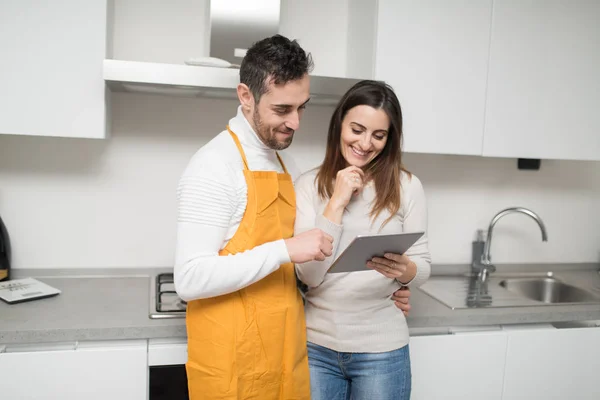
166, 299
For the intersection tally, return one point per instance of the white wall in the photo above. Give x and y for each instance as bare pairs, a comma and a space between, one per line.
111, 203
88, 203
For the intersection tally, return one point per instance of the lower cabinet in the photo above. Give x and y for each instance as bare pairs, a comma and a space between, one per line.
553, 364
509, 363
536, 361
458, 366
115, 370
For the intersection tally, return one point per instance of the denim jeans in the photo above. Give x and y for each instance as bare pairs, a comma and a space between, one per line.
359, 376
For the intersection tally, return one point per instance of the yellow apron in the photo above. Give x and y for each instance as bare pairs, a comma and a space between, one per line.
251, 344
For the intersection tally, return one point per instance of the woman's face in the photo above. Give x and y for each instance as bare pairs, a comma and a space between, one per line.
364, 134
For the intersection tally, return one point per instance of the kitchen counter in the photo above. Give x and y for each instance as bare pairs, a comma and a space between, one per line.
95, 304
106, 304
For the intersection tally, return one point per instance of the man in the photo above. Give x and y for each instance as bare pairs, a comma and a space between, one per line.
235, 251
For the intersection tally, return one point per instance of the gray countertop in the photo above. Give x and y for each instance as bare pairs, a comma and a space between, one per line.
94, 305
106, 304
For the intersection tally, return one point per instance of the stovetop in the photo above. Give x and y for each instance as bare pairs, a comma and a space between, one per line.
164, 301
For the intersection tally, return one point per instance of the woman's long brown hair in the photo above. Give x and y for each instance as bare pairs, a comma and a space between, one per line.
385, 170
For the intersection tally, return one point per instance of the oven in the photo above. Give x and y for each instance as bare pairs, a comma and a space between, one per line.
167, 378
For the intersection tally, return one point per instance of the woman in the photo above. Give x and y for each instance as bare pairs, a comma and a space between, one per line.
357, 338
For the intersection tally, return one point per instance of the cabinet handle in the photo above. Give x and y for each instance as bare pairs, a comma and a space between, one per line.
33, 347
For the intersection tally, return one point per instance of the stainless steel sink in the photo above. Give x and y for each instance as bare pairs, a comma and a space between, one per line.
518, 286
548, 290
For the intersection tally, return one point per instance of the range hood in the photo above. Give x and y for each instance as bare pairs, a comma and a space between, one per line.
234, 26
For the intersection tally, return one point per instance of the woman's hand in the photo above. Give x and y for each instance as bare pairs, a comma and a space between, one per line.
349, 181
395, 266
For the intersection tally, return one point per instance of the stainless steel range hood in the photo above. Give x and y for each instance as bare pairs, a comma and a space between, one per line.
237, 24
234, 26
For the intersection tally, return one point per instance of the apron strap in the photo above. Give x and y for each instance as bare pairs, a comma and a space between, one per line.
282, 164
239, 146
243, 154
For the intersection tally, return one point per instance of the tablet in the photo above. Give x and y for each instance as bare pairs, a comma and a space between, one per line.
364, 247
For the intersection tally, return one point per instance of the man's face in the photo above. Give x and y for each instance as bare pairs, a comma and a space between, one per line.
277, 114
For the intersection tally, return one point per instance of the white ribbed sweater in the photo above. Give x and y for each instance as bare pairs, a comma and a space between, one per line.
212, 198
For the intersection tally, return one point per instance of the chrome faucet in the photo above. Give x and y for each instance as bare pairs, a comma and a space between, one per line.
482, 263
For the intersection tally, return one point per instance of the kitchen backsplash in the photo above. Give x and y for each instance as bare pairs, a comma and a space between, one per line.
112, 203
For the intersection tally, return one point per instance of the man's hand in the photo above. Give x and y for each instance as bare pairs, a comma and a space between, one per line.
400, 298
309, 246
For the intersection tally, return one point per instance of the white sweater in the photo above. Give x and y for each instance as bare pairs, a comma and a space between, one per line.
212, 197
353, 312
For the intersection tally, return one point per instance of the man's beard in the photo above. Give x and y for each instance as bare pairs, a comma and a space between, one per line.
264, 133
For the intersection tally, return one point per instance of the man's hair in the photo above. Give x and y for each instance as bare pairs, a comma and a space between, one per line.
275, 59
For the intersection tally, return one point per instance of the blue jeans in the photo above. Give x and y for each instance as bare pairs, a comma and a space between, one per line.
359, 376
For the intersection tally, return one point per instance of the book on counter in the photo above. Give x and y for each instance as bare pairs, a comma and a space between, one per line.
25, 289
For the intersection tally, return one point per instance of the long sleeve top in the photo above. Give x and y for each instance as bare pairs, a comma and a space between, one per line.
212, 198
353, 312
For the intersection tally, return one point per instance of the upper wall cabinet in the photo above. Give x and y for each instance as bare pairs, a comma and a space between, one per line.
51, 81
434, 53
544, 82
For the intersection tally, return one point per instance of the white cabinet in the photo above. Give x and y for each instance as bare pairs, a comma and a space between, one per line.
530, 362
434, 53
501, 78
51, 80
553, 364
543, 85
465, 366
92, 371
